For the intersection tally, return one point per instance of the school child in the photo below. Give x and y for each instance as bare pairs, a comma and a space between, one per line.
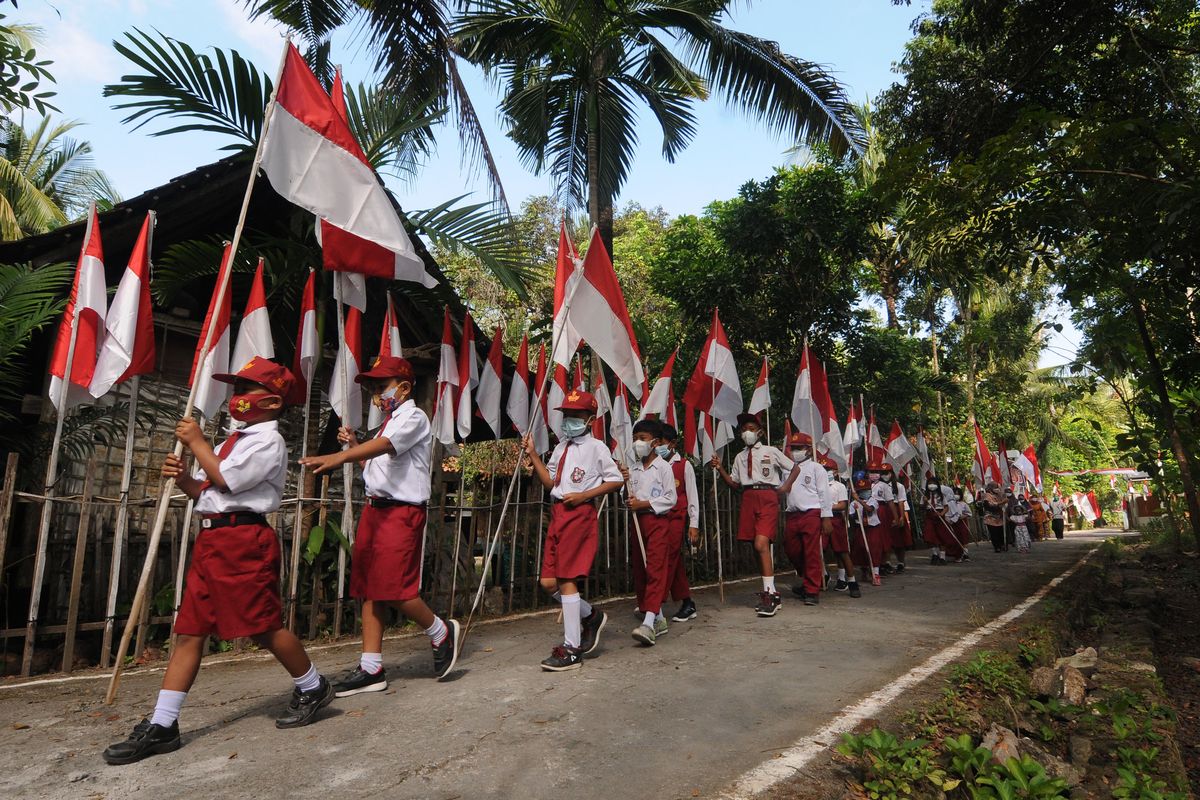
901, 529
934, 529
685, 521
385, 563
652, 499
881, 535
759, 470
1019, 513
809, 518
232, 584
866, 548
580, 470
838, 540
959, 514
1058, 513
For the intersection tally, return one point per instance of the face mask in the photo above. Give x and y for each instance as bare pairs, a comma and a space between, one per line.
642, 448
832, 477
750, 438
573, 427
801, 455
664, 451
388, 402
248, 407
933, 487
874, 477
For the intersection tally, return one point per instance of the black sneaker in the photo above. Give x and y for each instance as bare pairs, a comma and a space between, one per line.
686, 612
899, 567
798, 590
840, 586
812, 600
445, 655
766, 604
887, 569
146, 740
933, 559
305, 705
563, 658
592, 624
854, 590
965, 557
360, 681
941, 562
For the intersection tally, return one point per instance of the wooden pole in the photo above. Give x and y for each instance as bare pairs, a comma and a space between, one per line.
122, 526
81, 538
6, 505
347, 469
298, 520
164, 494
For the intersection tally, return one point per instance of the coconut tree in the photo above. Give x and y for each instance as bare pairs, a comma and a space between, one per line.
575, 75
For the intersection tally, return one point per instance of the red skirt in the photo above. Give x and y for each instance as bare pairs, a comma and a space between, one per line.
232, 585
386, 561
902, 536
571, 542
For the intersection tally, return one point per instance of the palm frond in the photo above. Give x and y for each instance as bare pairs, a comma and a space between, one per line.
481, 229
312, 20
30, 299
394, 130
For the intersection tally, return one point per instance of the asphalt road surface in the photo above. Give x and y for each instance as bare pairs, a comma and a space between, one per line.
683, 719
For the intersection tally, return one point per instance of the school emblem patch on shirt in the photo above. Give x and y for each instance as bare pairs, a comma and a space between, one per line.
807, 480
766, 471
656, 492
577, 474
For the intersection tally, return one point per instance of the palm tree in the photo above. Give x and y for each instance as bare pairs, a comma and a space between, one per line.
30, 299
574, 73
46, 178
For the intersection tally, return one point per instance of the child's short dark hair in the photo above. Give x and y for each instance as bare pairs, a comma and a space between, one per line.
667, 432
650, 426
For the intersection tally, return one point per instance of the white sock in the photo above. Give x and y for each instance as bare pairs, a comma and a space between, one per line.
842, 574
659, 616
370, 663
312, 679
572, 627
769, 584
585, 608
437, 632
166, 710
649, 620
875, 571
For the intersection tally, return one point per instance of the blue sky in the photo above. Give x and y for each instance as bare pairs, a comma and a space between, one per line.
859, 40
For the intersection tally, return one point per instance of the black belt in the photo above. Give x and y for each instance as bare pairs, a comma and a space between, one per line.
231, 520
555, 501
388, 502
761, 487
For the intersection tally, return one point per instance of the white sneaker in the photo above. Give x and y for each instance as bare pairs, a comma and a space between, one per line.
644, 634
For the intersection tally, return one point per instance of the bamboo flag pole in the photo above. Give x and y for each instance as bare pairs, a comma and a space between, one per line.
43, 540
347, 469
118, 546
164, 493
716, 498
298, 519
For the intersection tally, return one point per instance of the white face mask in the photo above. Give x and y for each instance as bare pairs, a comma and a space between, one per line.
573, 427
641, 448
801, 455
750, 438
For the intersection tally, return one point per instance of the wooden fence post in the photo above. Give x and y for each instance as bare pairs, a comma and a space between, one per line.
81, 538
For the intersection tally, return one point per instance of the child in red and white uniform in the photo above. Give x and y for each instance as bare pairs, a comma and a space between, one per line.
866, 545
652, 498
385, 564
880, 535
935, 528
809, 518
232, 585
961, 511
838, 540
685, 521
901, 533
759, 470
579, 471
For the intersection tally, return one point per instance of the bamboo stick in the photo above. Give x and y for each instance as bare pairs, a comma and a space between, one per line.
81, 538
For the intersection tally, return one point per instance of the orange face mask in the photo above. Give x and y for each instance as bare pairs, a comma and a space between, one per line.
248, 407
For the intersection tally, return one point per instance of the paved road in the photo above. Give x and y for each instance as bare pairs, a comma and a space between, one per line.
683, 719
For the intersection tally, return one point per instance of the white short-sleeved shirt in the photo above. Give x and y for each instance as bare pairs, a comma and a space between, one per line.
902, 496
810, 490
964, 510
771, 467
881, 492
654, 482
867, 509
404, 474
837, 492
589, 464
1057, 508
937, 499
254, 472
690, 491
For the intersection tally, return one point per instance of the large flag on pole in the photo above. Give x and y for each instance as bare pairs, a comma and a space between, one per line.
307, 343
210, 395
760, 400
923, 461
554, 398
311, 158
691, 443
659, 401
85, 311
128, 346
254, 332
468, 377
538, 428
342, 386
518, 390
1027, 462
565, 335
876, 452
1003, 465
899, 449
444, 403
853, 436
603, 405
594, 309
491, 385
983, 458
622, 425
831, 433
806, 414
389, 345
714, 386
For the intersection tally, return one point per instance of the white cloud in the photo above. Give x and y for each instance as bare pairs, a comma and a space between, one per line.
79, 56
263, 38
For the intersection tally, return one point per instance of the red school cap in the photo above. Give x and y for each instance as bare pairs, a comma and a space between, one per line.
273, 377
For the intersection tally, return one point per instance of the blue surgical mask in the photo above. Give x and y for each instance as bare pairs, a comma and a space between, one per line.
573, 427
664, 452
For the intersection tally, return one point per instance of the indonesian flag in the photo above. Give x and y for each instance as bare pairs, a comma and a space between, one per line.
923, 461
983, 457
311, 158
565, 336
900, 451
254, 333
760, 400
580, 383
209, 394
555, 395
806, 415
128, 346
691, 444
85, 308
603, 405
622, 425
707, 434
830, 434
660, 400
468, 377
345, 394
1003, 467
714, 386
389, 345
594, 309
876, 452
447, 383
853, 436
308, 344
518, 390
491, 384
1028, 464
538, 428
724, 434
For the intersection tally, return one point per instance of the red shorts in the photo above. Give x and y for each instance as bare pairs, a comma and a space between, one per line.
759, 515
571, 542
386, 562
651, 578
802, 544
838, 541
232, 586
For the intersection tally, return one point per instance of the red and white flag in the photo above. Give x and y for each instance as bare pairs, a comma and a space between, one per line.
311, 158
389, 345
445, 400
580, 382
128, 346
691, 439
760, 400
621, 428
806, 414
876, 452
1028, 464
565, 337
714, 435
85, 310
923, 461
830, 439
1003, 466
714, 386
210, 395
659, 400
345, 394
853, 435
900, 450
254, 332
982, 465
518, 391
468, 377
603, 405
593, 308
491, 385
554, 398
539, 428
308, 345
